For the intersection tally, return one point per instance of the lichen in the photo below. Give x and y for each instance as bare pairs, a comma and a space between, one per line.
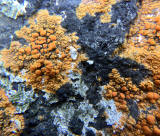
145, 95
11, 124
48, 58
92, 7
18, 93
120, 89
142, 45
12, 8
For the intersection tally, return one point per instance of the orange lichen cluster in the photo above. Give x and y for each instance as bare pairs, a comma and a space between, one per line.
145, 94
120, 89
11, 124
92, 7
142, 43
145, 32
150, 59
7, 57
147, 125
150, 123
46, 61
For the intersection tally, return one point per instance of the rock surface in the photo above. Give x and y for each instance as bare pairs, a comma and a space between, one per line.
107, 88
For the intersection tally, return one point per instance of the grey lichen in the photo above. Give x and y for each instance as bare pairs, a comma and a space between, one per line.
63, 115
78, 84
18, 93
12, 8
114, 115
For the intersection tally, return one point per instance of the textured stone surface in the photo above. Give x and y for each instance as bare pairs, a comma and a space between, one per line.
79, 106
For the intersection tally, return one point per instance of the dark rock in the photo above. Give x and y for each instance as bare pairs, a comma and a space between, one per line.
93, 95
103, 65
64, 92
76, 125
7, 28
33, 7
133, 108
90, 133
15, 86
38, 120
100, 122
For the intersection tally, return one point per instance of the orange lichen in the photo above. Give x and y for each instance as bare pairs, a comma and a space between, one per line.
142, 45
11, 124
9, 56
121, 90
152, 96
151, 119
92, 7
156, 131
146, 85
147, 130
143, 39
46, 59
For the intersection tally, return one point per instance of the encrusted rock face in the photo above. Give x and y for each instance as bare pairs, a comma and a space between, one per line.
49, 56
80, 67
95, 6
11, 124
